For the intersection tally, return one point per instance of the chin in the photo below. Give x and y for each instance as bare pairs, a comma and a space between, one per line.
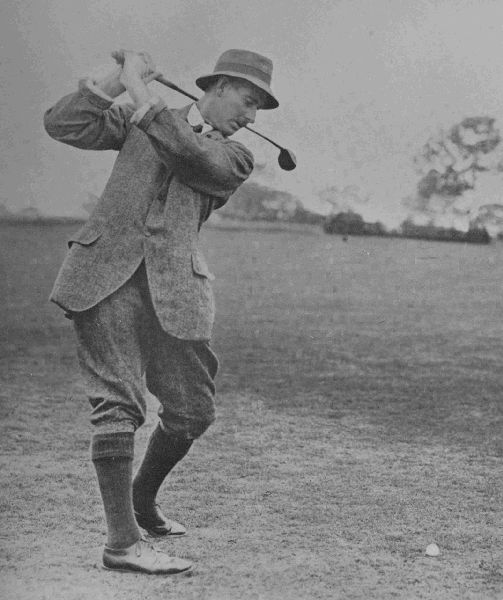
228, 131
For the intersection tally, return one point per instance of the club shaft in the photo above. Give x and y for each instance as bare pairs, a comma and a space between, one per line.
264, 137
173, 86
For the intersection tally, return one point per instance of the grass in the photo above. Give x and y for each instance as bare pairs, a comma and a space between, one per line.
359, 419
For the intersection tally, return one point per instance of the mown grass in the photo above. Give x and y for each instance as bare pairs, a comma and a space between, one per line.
359, 420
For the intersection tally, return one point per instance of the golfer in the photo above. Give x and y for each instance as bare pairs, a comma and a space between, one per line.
135, 283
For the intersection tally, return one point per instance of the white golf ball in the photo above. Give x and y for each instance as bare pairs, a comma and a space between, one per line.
432, 550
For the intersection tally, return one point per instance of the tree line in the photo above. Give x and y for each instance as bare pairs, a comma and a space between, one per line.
351, 223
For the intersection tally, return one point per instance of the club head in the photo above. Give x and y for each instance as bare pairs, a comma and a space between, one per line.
287, 160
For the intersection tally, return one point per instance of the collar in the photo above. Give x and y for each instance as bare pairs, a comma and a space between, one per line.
194, 117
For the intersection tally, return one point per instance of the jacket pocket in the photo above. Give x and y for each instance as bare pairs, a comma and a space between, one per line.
200, 267
86, 236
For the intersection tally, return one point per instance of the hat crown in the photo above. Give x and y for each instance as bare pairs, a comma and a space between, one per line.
247, 63
244, 64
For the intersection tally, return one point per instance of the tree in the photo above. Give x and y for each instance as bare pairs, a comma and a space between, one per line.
345, 223
256, 202
450, 162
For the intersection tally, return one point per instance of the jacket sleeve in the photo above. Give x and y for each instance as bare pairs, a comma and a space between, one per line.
216, 167
88, 121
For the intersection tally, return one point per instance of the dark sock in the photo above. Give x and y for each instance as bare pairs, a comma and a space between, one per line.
162, 453
112, 456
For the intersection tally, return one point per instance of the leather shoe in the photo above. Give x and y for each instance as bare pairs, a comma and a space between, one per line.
142, 557
156, 524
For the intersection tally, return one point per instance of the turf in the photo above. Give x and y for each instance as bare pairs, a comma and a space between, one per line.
359, 420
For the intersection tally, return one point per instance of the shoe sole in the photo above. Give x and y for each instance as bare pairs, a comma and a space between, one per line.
155, 534
136, 571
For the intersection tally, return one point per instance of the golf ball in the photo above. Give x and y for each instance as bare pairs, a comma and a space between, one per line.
432, 550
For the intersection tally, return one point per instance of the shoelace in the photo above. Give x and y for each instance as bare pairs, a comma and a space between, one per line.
138, 546
150, 546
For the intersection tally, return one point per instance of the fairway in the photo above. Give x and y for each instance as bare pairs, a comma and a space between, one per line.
359, 420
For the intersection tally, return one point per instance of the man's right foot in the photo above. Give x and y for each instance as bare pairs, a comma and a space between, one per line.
142, 557
156, 524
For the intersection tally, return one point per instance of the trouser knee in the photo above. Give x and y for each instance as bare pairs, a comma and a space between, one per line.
201, 425
189, 428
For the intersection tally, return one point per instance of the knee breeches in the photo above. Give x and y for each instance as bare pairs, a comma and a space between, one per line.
122, 347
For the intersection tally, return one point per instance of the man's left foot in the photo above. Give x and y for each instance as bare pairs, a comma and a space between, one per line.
156, 524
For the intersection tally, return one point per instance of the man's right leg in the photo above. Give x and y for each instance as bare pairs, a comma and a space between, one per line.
112, 456
112, 364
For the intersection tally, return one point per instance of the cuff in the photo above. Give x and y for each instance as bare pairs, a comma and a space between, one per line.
94, 94
112, 445
147, 113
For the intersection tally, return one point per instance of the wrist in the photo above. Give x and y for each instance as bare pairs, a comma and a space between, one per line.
137, 89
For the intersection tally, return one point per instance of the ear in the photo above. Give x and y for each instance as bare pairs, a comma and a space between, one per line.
222, 84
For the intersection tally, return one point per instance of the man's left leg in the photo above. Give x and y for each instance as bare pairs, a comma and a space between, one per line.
180, 373
162, 454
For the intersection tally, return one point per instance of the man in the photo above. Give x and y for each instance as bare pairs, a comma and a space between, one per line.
136, 285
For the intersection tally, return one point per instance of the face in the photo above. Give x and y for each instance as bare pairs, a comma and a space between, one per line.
235, 104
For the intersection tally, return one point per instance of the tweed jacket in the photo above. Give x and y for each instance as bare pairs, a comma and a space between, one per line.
165, 183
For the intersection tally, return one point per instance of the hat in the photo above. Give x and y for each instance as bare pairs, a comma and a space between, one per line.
253, 67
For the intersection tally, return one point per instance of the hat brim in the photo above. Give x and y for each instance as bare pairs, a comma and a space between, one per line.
271, 102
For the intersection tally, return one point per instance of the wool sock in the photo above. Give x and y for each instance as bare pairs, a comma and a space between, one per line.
112, 456
162, 453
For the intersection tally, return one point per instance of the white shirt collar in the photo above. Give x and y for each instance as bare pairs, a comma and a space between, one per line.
195, 118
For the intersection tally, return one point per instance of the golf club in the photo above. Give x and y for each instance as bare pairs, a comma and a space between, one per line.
286, 158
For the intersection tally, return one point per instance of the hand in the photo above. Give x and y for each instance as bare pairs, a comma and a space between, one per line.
137, 71
135, 64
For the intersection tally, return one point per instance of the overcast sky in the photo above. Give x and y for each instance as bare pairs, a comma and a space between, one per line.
362, 84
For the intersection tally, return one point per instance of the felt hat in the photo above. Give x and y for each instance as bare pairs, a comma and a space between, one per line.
253, 67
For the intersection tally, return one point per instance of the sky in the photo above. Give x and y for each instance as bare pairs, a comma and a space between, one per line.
362, 85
